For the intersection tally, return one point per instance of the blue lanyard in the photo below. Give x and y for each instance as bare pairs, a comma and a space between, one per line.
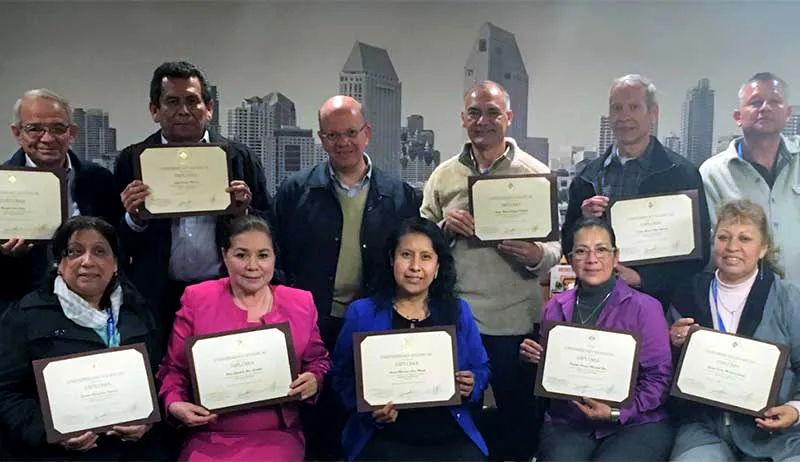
714, 295
739, 148
111, 326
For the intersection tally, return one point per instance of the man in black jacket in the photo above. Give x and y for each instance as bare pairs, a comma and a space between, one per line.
44, 130
163, 256
332, 223
637, 164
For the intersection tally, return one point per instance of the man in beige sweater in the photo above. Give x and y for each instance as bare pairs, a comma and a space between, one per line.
500, 283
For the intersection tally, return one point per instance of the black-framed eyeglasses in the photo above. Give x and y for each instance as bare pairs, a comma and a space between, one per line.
38, 130
334, 136
601, 252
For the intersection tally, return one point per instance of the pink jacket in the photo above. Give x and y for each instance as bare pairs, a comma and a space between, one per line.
208, 308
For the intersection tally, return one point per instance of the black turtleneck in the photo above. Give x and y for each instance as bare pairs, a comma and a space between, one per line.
589, 298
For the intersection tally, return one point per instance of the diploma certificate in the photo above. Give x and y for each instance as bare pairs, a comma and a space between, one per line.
33, 203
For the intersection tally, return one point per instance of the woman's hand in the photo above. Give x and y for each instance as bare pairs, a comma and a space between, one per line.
680, 330
779, 418
305, 385
129, 432
530, 351
465, 381
594, 410
190, 414
81, 443
387, 414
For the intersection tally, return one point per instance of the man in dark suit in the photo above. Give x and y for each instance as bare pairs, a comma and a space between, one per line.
44, 130
163, 256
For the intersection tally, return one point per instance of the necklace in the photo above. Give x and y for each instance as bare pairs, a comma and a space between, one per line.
413, 321
597, 307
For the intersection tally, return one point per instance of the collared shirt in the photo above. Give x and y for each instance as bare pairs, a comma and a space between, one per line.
782, 159
193, 253
621, 176
72, 206
352, 191
485, 171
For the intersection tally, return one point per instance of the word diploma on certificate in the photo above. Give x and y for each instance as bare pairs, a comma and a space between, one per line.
33, 203
730, 372
412, 368
242, 369
514, 207
588, 362
657, 228
184, 180
96, 391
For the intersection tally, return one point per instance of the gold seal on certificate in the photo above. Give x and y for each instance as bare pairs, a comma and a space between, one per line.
412, 368
95, 391
657, 228
587, 362
33, 203
514, 207
731, 372
242, 369
184, 180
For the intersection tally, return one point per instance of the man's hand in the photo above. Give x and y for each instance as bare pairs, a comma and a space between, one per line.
594, 206
133, 198
241, 194
461, 222
594, 410
629, 275
15, 247
527, 253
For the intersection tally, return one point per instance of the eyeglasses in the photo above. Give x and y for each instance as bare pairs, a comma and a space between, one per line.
601, 252
349, 134
38, 130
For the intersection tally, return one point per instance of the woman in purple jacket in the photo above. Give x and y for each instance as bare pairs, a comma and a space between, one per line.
588, 430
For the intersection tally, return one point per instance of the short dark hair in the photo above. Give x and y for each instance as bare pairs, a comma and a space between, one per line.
177, 70
60, 241
766, 77
243, 224
593, 222
445, 307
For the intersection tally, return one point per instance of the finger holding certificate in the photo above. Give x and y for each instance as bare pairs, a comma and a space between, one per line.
185, 180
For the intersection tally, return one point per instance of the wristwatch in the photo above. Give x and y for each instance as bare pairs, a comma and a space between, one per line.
614, 417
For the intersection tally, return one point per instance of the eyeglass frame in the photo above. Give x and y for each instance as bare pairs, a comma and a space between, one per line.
333, 137
611, 251
28, 129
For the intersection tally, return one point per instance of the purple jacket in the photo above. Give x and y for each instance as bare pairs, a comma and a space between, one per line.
626, 309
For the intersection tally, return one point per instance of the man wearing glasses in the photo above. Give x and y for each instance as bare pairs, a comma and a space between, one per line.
332, 222
499, 283
43, 128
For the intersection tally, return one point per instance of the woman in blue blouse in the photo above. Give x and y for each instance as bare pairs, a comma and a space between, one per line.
418, 292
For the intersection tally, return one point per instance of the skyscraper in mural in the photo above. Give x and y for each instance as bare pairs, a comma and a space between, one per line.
254, 123
214, 127
792, 126
369, 76
419, 157
95, 137
697, 132
495, 56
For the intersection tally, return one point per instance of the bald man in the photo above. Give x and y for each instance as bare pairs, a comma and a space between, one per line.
500, 283
332, 221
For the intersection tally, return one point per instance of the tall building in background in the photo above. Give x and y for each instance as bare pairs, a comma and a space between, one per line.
95, 137
673, 142
293, 147
369, 77
538, 147
419, 157
255, 121
214, 127
793, 124
606, 137
698, 123
495, 56
723, 142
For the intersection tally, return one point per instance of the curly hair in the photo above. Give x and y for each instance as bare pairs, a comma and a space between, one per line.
747, 211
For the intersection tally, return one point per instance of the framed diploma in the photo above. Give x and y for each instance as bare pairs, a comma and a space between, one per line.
587, 362
657, 228
33, 203
95, 391
514, 207
412, 368
729, 371
243, 369
184, 180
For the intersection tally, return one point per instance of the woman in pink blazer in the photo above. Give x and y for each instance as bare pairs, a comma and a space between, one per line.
244, 299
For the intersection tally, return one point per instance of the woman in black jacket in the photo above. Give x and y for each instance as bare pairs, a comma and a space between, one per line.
83, 307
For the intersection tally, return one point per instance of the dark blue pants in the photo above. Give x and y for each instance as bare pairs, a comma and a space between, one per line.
651, 442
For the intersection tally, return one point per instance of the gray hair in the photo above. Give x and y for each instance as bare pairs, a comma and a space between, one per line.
776, 81
637, 79
45, 94
488, 84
